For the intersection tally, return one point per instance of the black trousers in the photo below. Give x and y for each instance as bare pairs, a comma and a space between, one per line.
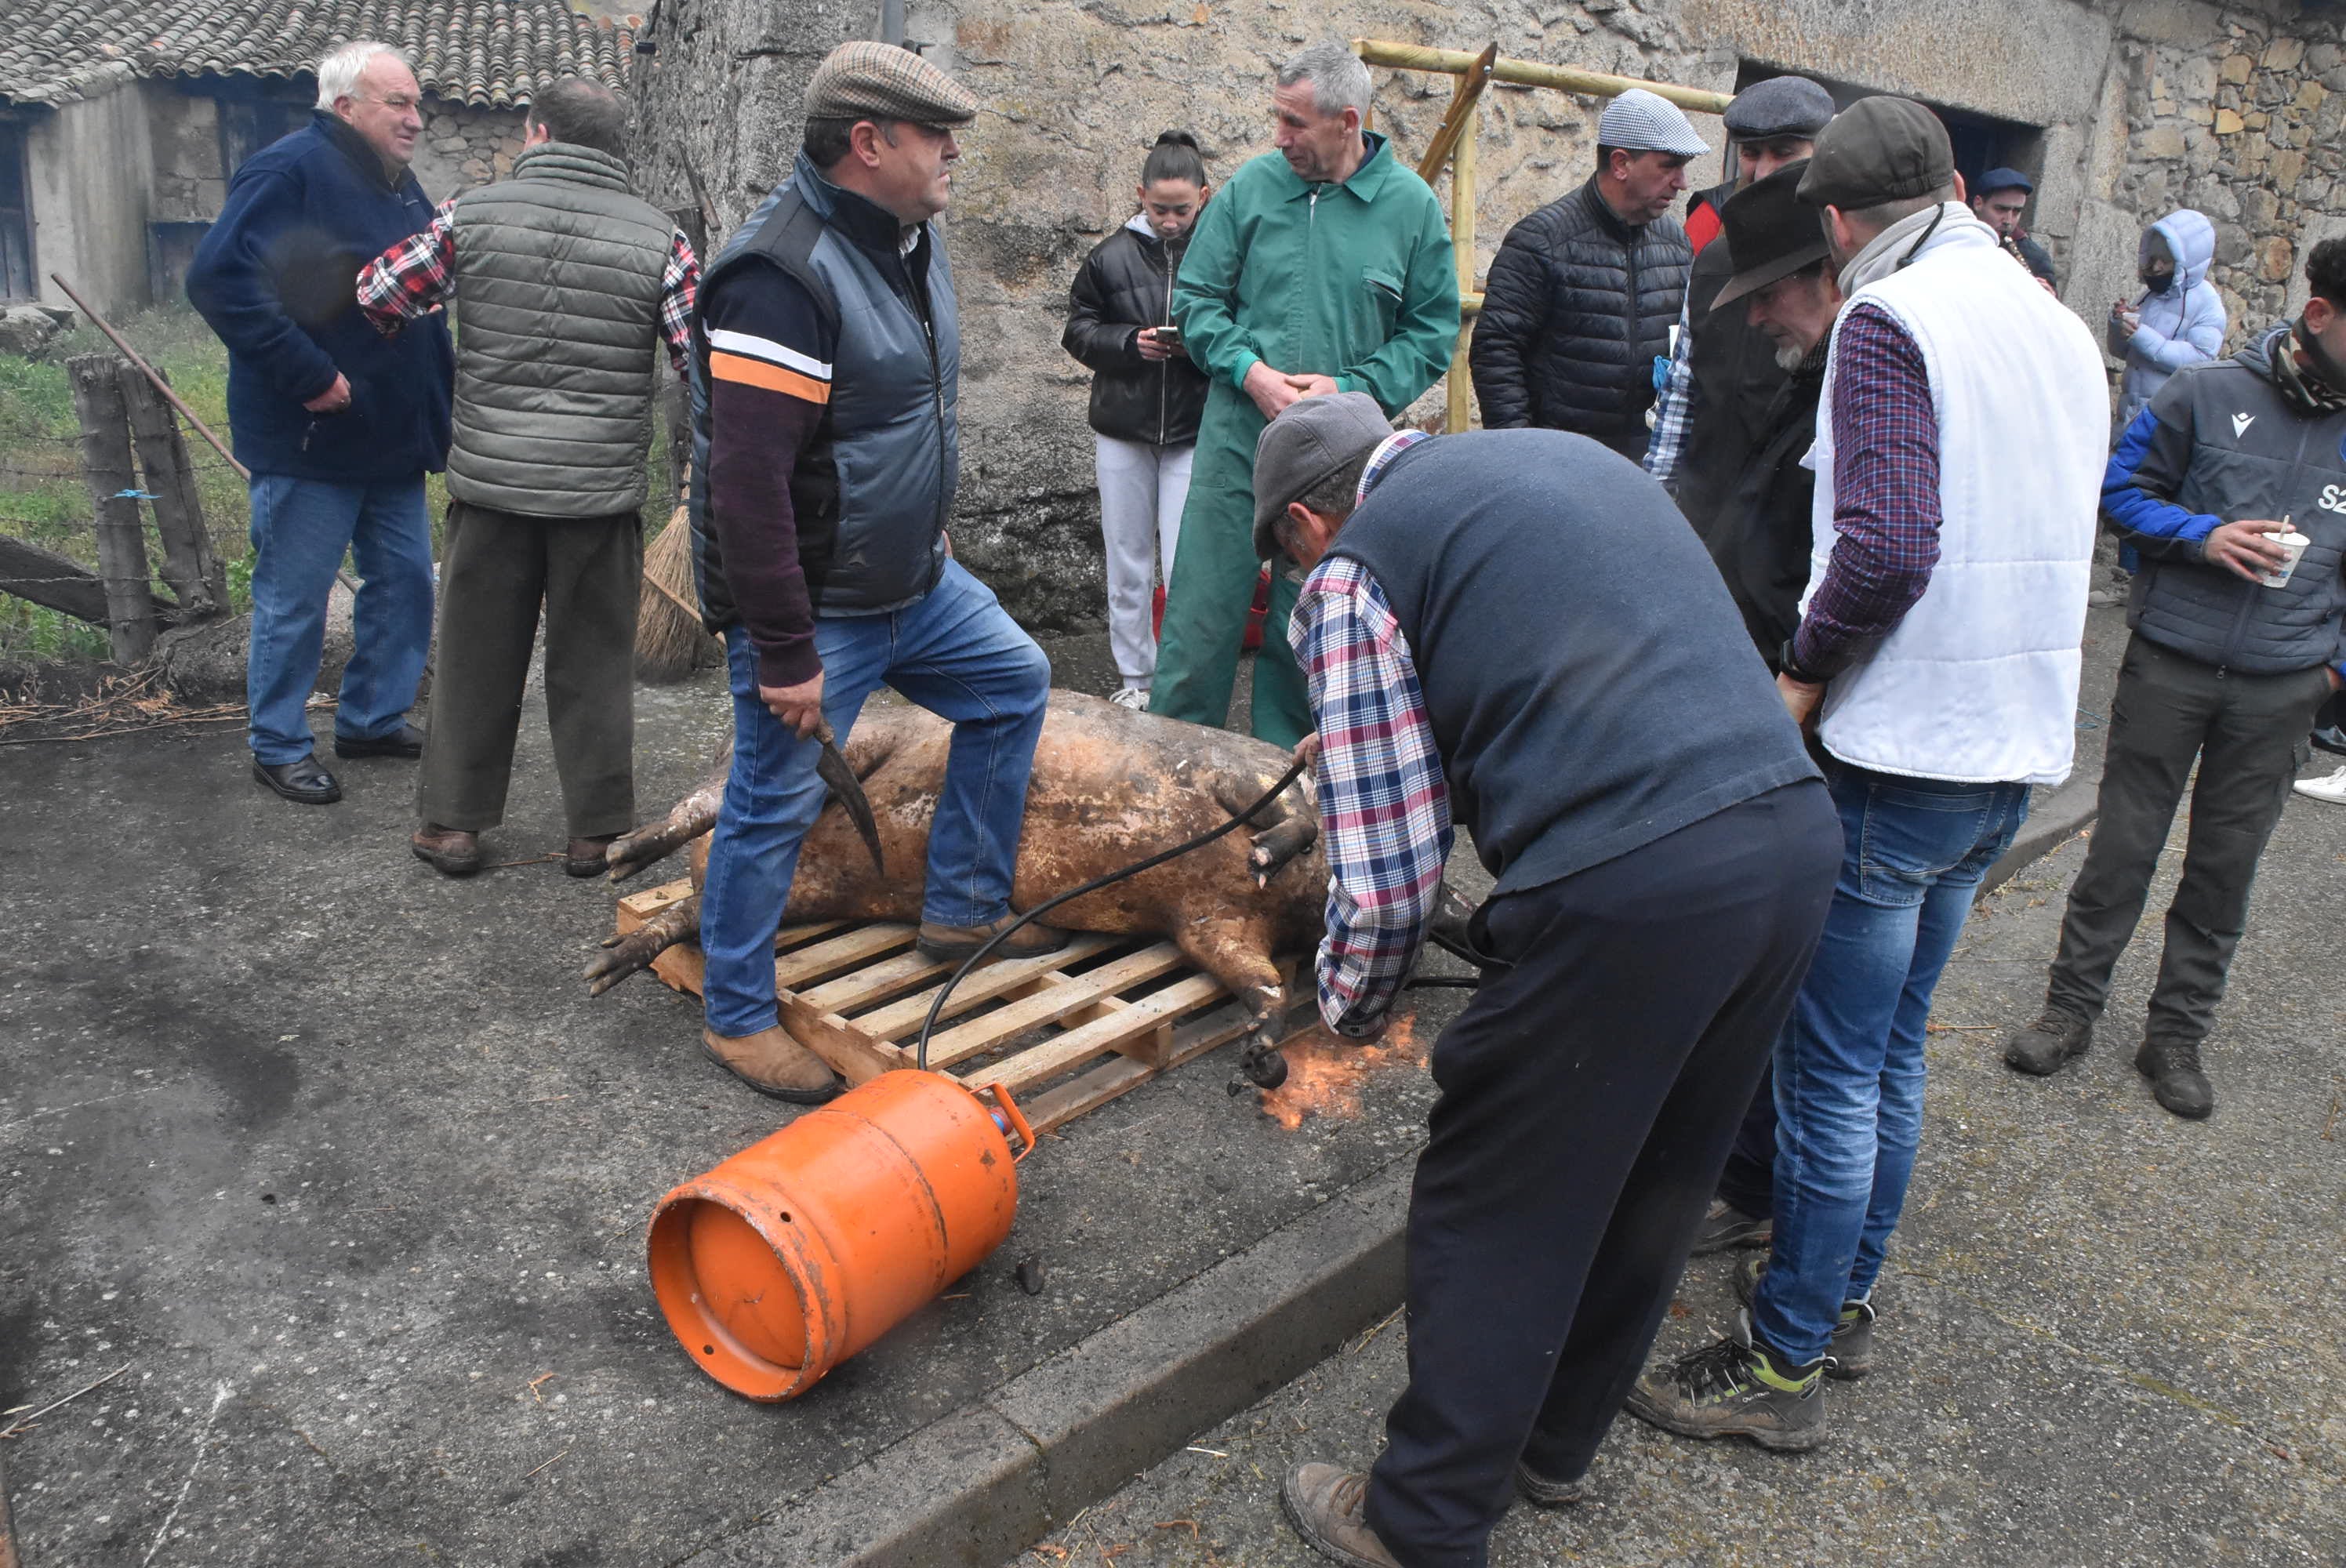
495, 569
1748, 1180
2249, 735
1588, 1096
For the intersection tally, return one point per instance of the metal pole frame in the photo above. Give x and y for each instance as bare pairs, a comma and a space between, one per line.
1455, 143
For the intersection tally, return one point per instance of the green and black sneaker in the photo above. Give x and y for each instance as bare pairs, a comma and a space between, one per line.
1736, 1389
1850, 1355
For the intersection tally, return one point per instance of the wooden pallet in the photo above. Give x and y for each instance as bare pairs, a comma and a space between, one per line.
1066, 1033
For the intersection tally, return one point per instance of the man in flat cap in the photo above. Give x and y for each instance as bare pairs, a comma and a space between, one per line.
1582, 293
825, 376
1938, 646
1512, 631
1723, 374
1999, 200
1323, 266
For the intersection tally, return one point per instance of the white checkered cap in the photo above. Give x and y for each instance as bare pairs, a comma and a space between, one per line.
1640, 121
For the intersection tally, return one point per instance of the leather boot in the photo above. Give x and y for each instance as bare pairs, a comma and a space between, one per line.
451, 852
2045, 1044
1323, 1503
2176, 1081
947, 943
774, 1065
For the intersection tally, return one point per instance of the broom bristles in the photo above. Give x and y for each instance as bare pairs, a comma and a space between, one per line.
670, 644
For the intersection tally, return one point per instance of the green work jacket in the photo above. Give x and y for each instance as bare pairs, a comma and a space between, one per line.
1352, 281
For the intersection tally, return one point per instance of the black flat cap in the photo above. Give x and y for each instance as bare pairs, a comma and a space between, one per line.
1771, 233
1780, 105
1877, 150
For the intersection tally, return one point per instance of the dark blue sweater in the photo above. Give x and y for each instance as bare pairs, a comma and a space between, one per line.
1587, 678
277, 277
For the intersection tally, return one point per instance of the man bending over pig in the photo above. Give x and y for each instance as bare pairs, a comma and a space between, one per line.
1512, 629
825, 378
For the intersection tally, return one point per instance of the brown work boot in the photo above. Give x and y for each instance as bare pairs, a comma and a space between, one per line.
773, 1064
451, 852
1324, 1504
948, 943
585, 856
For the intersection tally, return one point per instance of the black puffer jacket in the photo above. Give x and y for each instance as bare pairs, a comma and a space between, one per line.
1763, 532
1123, 285
1577, 308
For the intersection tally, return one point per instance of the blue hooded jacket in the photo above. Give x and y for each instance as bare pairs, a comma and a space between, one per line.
2180, 326
277, 277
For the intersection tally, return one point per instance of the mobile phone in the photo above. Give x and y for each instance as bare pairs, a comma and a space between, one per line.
1168, 336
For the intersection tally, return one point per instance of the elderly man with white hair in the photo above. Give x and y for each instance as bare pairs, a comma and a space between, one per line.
338, 423
1323, 266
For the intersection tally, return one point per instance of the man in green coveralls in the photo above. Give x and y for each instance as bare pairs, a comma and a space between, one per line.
1323, 267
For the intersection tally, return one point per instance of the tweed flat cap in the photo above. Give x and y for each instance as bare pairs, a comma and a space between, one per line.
1780, 105
1878, 150
1304, 445
864, 80
1640, 121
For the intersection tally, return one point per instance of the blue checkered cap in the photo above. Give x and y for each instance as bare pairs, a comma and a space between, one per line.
1640, 121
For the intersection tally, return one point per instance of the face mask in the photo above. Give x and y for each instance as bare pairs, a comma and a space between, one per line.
2154, 281
2318, 358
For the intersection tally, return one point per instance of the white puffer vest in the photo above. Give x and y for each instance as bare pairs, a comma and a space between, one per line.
1979, 682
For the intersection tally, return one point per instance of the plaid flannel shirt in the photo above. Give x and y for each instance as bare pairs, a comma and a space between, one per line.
1673, 410
418, 276
1886, 436
1385, 802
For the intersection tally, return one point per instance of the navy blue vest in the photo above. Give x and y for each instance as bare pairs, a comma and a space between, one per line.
1588, 678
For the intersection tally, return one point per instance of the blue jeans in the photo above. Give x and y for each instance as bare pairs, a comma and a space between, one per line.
1849, 1063
956, 652
300, 529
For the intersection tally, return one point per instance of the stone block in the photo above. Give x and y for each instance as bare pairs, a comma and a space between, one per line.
2310, 96
2283, 54
2226, 123
2273, 258
2286, 168
2236, 68
2195, 78
2160, 141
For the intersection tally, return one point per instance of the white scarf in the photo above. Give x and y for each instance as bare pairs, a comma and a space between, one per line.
1900, 243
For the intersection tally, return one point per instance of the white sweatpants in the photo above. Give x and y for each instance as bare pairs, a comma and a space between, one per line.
1142, 487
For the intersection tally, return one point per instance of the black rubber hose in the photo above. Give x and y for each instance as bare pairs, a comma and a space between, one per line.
928, 1025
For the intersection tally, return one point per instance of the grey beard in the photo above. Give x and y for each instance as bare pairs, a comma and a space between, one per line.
1789, 355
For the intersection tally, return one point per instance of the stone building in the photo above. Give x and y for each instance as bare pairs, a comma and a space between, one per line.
2122, 110
119, 124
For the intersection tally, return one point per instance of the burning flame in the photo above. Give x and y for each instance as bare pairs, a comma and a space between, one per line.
1325, 1074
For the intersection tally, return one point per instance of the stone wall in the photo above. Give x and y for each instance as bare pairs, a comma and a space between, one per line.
465, 146
1074, 91
2238, 114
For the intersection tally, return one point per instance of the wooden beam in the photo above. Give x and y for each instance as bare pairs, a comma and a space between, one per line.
1534, 73
1459, 394
190, 565
1464, 96
114, 504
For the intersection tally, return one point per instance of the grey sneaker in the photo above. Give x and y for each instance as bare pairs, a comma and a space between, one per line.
2176, 1081
1541, 1491
1323, 1503
1735, 1388
1726, 1228
2044, 1045
1850, 1356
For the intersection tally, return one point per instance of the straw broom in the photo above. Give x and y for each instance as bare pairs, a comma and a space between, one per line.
670, 641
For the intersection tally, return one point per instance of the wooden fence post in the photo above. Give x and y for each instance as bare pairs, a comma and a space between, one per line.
190, 562
114, 504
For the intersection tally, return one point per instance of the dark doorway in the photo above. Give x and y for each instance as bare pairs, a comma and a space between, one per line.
16, 275
1982, 142
249, 123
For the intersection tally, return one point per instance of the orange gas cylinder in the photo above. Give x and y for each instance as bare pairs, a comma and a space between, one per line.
804, 1247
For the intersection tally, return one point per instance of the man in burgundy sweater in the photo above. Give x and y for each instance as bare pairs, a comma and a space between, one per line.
825, 380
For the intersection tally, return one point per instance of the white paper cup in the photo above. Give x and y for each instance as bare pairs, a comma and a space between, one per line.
2295, 543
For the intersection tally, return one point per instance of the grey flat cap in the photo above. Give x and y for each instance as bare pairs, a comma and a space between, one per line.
1780, 105
864, 80
1640, 121
1303, 446
1877, 150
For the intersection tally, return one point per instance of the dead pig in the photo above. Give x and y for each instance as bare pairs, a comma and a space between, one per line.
1110, 786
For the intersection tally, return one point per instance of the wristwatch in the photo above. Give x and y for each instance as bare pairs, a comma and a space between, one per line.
1789, 667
